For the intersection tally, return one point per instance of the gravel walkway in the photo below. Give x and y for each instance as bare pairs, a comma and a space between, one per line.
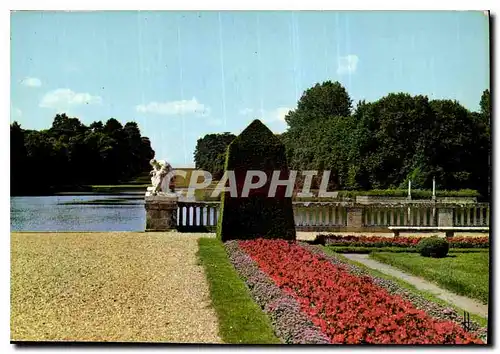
114, 286
462, 302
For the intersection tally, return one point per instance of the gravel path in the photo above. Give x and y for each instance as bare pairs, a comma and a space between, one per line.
462, 302
113, 286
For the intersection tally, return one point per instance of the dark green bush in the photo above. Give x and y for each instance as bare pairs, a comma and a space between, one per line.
256, 216
434, 246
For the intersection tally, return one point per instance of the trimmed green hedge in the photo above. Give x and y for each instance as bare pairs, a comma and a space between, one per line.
366, 250
257, 215
434, 246
415, 194
205, 194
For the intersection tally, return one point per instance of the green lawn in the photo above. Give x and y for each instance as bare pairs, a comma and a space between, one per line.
241, 321
463, 273
410, 287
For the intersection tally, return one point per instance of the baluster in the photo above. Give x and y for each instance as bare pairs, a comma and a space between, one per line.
180, 219
327, 216
487, 216
186, 216
480, 221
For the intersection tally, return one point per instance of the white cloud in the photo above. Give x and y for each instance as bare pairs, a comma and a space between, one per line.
245, 111
31, 82
347, 64
174, 108
267, 116
64, 98
276, 115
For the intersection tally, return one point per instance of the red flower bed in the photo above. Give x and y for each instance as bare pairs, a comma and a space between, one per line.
378, 241
348, 308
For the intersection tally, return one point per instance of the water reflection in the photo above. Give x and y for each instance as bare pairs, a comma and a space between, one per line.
78, 213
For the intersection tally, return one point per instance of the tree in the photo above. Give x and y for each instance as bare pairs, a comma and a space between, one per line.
210, 153
329, 99
18, 157
485, 104
71, 154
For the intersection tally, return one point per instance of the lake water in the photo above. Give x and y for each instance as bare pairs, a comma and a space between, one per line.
78, 213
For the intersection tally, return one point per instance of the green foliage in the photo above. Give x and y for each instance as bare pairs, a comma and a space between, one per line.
210, 153
366, 250
328, 99
434, 246
71, 154
485, 103
257, 215
462, 273
240, 319
383, 144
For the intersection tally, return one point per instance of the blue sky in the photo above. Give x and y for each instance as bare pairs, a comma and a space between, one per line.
181, 75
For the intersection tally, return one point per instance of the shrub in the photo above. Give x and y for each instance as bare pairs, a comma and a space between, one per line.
406, 242
434, 246
257, 215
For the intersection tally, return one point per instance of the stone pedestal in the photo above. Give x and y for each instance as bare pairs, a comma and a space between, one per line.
161, 212
355, 217
445, 216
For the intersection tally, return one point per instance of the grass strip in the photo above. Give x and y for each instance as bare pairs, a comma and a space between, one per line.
465, 274
425, 294
241, 321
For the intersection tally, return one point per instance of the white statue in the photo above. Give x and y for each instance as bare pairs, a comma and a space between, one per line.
159, 173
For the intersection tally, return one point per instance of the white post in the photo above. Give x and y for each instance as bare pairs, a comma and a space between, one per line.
434, 188
409, 189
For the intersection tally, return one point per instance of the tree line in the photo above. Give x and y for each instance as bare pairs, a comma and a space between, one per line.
380, 144
70, 154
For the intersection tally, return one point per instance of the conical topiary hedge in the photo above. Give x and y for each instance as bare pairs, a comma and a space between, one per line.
256, 216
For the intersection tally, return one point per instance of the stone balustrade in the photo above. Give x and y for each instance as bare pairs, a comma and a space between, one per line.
331, 216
